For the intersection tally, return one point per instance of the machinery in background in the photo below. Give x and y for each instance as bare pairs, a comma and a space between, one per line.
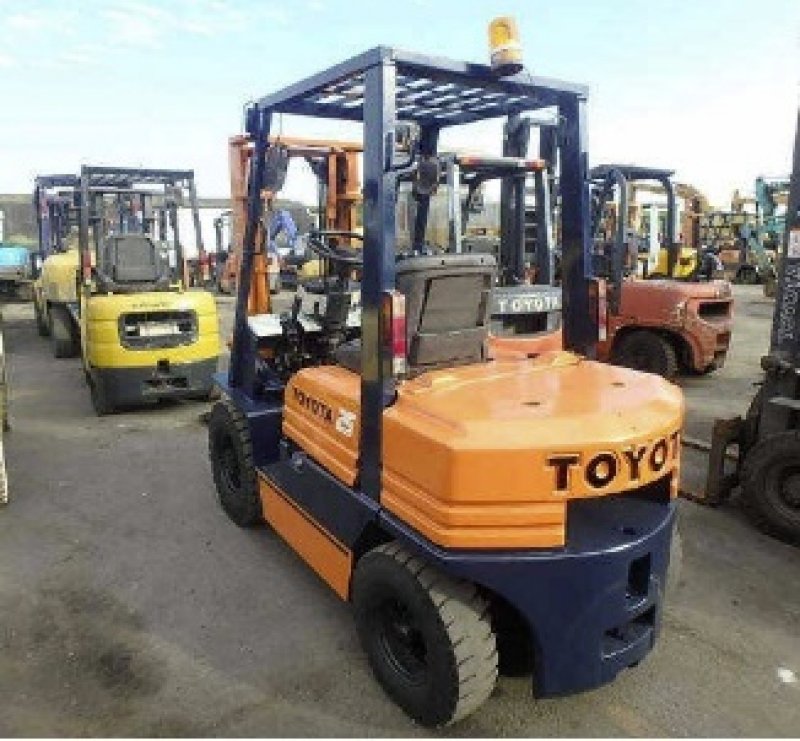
335, 166
748, 241
766, 443
142, 335
475, 513
684, 259
16, 271
660, 326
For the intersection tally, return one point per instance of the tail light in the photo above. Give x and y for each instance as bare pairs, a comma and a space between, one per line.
393, 329
598, 292
86, 265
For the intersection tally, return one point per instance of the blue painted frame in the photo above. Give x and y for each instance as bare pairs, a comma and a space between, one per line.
377, 88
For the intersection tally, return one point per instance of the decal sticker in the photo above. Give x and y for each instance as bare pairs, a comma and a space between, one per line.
346, 422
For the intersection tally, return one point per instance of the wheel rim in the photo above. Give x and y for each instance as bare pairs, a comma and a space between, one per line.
229, 469
783, 490
402, 641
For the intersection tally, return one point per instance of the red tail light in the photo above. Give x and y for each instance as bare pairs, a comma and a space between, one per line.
599, 296
393, 318
86, 266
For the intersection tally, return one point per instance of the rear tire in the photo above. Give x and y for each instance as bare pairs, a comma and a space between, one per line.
65, 344
42, 326
231, 452
646, 351
771, 485
428, 637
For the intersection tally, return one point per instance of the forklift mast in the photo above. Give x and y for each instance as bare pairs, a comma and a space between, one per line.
785, 337
607, 178
133, 191
335, 165
54, 203
514, 226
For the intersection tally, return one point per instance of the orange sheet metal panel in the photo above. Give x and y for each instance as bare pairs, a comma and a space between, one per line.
318, 548
321, 415
514, 346
488, 455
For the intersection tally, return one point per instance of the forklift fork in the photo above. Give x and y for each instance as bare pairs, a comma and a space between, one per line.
719, 482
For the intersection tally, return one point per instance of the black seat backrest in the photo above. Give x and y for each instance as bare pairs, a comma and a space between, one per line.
132, 262
447, 298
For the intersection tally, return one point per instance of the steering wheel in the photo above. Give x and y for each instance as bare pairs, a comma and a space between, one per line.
318, 243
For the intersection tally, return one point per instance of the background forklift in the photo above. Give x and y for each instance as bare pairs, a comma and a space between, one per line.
55, 296
466, 508
660, 326
143, 336
335, 165
767, 441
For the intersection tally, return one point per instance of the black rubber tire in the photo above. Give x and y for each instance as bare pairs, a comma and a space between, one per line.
443, 664
647, 351
766, 466
746, 275
42, 325
231, 452
65, 344
100, 401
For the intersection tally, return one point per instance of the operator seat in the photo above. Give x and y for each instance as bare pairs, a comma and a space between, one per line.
447, 298
131, 263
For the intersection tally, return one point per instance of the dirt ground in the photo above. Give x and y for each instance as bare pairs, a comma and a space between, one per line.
130, 605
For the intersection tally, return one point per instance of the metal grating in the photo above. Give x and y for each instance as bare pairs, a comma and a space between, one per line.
120, 177
427, 90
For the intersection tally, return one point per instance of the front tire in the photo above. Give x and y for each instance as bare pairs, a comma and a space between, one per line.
42, 324
231, 452
428, 637
771, 485
646, 351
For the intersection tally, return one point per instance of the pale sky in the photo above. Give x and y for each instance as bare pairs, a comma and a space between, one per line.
706, 87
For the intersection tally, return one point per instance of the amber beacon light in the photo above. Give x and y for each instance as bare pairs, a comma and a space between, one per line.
505, 48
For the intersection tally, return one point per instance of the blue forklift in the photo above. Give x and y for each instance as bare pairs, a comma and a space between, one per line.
480, 515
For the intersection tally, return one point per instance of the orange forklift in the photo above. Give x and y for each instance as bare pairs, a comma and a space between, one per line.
335, 165
475, 513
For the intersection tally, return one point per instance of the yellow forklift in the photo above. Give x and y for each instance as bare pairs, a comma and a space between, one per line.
143, 336
475, 513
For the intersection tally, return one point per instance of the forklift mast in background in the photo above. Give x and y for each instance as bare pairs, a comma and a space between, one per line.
133, 192
335, 165
515, 240
55, 206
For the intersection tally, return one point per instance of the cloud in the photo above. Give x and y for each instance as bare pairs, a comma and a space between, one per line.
7, 61
132, 27
28, 21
